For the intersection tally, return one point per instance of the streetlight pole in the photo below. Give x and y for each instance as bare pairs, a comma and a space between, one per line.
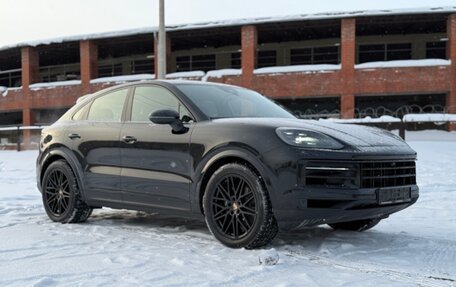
161, 42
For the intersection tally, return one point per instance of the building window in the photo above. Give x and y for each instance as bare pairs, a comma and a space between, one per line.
301, 56
195, 63
110, 70
266, 58
385, 52
143, 66
236, 60
183, 63
11, 78
398, 52
436, 50
59, 73
313, 107
315, 55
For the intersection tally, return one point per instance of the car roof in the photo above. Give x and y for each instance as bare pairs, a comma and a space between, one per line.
163, 83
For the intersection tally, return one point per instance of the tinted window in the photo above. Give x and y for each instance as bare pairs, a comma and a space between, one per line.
231, 102
108, 108
149, 99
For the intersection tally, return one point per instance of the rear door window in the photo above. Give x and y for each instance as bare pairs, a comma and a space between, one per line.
108, 108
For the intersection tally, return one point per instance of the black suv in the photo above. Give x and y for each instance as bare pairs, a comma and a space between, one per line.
224, 153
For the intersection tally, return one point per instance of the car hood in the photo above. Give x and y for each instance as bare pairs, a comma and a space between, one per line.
354, 135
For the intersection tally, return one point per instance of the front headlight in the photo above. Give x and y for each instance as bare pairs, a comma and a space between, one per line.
308, 139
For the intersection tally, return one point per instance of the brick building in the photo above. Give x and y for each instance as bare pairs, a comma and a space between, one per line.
364, 63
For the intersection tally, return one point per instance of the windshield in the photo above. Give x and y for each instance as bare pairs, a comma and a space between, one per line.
219, 101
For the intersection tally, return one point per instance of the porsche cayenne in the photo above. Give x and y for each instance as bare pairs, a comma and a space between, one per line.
223, 153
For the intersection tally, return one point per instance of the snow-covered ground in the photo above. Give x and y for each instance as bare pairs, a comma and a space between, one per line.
415, 247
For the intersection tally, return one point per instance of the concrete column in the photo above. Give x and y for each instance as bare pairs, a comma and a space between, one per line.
348, 56
249, 41
451, 50
169, 63
88, 51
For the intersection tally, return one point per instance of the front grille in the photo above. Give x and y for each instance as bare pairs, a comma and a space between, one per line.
387, 174
357, 174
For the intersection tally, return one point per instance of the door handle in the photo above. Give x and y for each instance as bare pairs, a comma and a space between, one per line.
129, 139
74, 136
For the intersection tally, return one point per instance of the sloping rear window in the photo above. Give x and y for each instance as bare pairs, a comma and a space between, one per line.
108, 108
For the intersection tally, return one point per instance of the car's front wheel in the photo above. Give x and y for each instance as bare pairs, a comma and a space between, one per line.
358, 225
61, 198
238, 209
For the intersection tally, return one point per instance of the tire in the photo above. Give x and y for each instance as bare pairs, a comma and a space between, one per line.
61, 197
237, 208
358, 225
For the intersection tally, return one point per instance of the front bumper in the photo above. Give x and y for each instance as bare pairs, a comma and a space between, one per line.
308, 207
310, 187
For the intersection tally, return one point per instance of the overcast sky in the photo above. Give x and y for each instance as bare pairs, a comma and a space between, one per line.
26, 20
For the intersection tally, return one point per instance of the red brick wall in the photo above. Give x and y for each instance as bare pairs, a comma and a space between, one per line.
403, 80
13, 101
298, 84
56, 97
411, 80
249, 39
89, 59
347, 74
30, 66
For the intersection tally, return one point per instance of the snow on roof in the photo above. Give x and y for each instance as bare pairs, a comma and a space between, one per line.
123, 79
50, 85
297, 68
404, 63
236, 22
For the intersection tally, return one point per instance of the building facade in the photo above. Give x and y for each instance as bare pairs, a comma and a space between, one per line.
324, 65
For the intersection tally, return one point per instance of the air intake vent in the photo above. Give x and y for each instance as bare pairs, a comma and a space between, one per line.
330, 174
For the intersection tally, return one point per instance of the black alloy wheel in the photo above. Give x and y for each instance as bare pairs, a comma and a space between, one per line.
234, 206
57, 192
237, 208
61, 197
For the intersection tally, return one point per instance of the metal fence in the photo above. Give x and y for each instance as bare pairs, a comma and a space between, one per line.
12, 137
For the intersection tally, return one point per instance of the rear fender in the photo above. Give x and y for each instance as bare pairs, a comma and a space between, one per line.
70, 158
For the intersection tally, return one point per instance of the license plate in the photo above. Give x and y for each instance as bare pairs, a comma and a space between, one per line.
394, 195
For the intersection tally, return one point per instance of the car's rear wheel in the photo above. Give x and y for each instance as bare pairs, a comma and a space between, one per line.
238, 209
61, 197
358, 225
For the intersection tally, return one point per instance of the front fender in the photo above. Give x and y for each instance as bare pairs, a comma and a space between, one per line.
221, 153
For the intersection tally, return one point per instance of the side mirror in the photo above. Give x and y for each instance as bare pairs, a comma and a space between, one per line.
168, 117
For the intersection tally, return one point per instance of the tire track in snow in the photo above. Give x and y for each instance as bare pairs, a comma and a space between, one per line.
436, 256
376, 269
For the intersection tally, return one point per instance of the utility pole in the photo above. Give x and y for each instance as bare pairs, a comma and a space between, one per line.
161, 42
